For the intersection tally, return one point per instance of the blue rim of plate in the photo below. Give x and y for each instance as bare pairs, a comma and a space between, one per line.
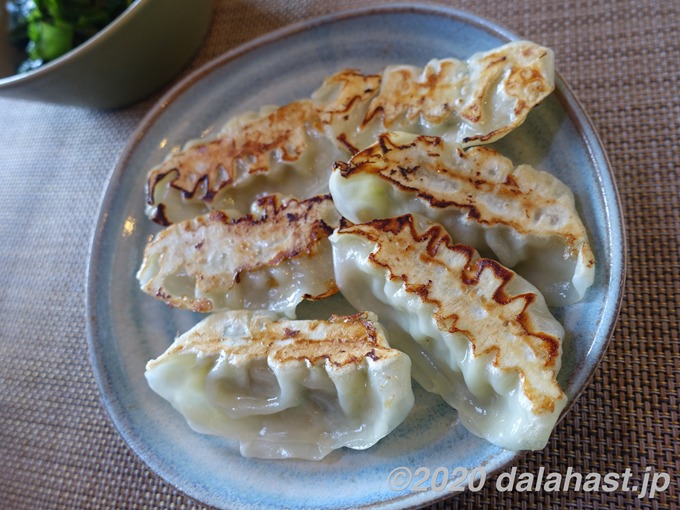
98, 271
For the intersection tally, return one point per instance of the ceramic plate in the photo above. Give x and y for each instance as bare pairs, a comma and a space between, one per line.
127, 327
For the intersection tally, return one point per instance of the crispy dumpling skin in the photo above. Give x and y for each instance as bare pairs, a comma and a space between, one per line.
276, 150
469, 102
524, 217
291, 149
286, 389
477, 334
271, 259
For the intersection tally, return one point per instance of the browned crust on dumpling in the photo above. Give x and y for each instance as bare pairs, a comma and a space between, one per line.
481, 173
339, 341
522, 79
404, 94
517, 69
453, 279
244, 150
526, 82
203, 169
214, 249
353, 88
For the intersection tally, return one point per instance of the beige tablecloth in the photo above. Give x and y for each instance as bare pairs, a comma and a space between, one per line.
57, 446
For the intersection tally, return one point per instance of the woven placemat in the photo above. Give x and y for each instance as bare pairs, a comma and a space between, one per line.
57, 446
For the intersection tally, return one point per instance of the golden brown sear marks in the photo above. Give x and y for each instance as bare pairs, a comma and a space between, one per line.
470, 296
213, 250
243, 149
353, 90
478, 181
512, 79
340, 340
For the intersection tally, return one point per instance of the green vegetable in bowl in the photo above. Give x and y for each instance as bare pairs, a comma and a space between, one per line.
46, 29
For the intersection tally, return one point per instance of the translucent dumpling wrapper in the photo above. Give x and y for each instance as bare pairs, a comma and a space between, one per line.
524, 217
271, 259
477, 334
470, 102
276, 150
291, 149
286, 388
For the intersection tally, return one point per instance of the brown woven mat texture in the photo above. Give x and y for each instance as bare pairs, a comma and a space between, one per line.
58, 448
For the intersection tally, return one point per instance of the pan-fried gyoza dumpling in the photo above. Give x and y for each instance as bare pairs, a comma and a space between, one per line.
477, 334
271, 259
525, 217
286, 389
469, 102
276, 150
291, 149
